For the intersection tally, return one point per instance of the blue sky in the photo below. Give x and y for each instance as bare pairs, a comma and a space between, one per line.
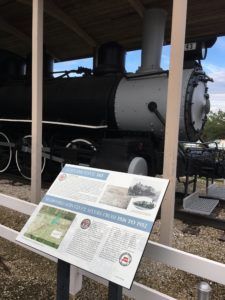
214, 66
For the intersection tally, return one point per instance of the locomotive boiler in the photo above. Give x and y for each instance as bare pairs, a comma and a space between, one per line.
106, 118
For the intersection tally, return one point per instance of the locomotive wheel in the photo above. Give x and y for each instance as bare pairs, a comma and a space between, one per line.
80, 145
23, 158
5, 153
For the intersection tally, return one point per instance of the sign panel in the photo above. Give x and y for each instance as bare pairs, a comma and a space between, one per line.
97, 220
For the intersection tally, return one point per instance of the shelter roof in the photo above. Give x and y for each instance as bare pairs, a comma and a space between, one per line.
72, 29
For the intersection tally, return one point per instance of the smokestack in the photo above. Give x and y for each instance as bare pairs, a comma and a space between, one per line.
152, 41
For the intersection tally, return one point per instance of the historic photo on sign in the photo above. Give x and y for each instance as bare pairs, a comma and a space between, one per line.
116, 196
143, 196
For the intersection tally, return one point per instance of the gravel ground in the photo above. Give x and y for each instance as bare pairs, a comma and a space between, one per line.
25, 275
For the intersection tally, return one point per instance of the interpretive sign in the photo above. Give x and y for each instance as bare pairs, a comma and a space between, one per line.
97, 220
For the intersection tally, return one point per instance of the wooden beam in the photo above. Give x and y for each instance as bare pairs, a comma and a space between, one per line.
37, 99
5, 26
54, 11
174, 95
138, 6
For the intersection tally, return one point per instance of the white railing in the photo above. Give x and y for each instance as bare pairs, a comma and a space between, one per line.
199, 266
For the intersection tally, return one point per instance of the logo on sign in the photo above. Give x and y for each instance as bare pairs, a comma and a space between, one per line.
85, 223
125, 259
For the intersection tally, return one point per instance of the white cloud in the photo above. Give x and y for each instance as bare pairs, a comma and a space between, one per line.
216, 88
217, 101
216, 72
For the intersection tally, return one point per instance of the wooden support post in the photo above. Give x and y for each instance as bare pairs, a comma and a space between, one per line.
172, 117
76, 280
37, 84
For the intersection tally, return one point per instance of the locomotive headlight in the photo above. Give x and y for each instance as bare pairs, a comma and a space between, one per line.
203, 50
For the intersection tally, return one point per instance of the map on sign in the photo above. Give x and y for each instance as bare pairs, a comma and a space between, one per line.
50, 226
97, 220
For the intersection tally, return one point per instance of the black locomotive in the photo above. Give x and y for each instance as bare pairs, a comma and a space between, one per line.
105, 118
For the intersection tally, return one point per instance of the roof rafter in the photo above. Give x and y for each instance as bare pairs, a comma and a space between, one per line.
138, 6
57, 13
5, 26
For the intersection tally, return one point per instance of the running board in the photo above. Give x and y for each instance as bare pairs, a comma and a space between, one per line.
216, 191
200, 205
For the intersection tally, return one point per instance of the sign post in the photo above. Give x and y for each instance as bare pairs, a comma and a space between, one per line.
63, 280
97, 220
115, 291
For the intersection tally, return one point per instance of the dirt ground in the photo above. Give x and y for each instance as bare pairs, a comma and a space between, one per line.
25, 275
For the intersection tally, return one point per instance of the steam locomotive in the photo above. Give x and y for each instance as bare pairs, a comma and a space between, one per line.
106, 118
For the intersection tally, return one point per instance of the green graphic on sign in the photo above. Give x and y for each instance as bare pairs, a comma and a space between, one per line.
50, 226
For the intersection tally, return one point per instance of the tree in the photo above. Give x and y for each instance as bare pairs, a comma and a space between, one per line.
215, 126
